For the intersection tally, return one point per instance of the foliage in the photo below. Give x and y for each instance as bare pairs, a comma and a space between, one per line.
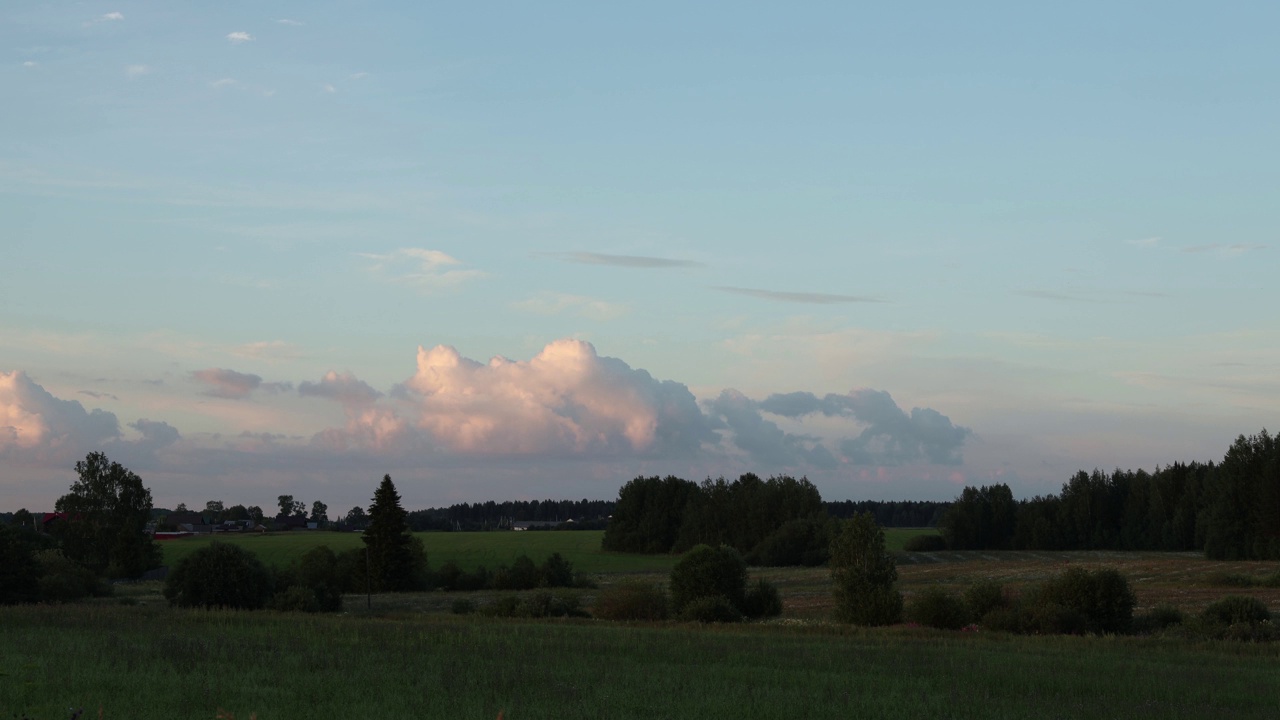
219, 575
541, 604
107, 509
1234, 609
937, 608
388, 540
980, 518
983, 597
1101, 598
632, 600
462, 606
19, 570
1158, 618
318, 574
290, 507
63, 580
711, 609
705, 571
805, 541
522, 575
930, 542
762, 600
648, 515
864, 574
556, 572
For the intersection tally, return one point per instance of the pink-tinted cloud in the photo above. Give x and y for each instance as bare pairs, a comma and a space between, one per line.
567, 400
232, 385
35, 424
342, 387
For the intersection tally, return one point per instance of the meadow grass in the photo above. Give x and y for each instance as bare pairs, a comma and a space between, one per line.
149, 661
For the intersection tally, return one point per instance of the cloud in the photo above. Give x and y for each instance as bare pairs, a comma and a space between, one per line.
112, 16
239, 37
344, 388
30, 64
359, 75
269, 350
232, 385
290, 23
137, 71
762, 439
1144, 242
566, 401
424, 269
553, 303
630, 261
329, 88
891, 436
224, 82
1232, 249
155, 434
800, 297
98, 395
36, 425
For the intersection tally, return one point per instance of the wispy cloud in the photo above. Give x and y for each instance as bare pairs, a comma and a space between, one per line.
554, 303
800, 297
97, 395
224, 82
232, 385
631, 261
329, 88
1232, 249
359, 75
30, 64
290, 23
1054, 295
112, 16
1144, 242
137, 71
424, 269
239, 37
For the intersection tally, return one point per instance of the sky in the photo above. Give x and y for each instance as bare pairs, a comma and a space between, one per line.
517, 250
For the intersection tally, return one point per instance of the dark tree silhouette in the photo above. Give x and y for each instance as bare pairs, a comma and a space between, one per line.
387, 538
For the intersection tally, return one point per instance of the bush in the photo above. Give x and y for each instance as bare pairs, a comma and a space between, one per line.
295, 598
983, 597
938, 608
1101, 598
1002, 619
1235, 609
710, 609
63, 580
931, 542
538, 605
1051, 618
556, 572
704, 572
632, 600
19, 570
1222, 578
219, 575
1157, 619
762, 601
462, 606
522, 575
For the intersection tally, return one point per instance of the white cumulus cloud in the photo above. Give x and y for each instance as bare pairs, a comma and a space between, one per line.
239, 37
34, 422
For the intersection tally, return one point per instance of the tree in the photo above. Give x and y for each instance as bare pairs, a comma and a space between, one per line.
23, 519
706, 572
107, 510
182, 507
219, 575
213, 506
290, 507
19, 571
356, 518
387, 540
319, 513
255, 514
864, 574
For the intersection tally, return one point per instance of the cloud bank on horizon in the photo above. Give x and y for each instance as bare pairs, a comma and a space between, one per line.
565, 403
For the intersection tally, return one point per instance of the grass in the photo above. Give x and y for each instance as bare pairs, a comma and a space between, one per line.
152, 662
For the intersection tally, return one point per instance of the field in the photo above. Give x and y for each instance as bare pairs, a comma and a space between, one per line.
408, 657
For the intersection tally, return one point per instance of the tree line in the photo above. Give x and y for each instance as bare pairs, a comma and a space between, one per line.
1228, 510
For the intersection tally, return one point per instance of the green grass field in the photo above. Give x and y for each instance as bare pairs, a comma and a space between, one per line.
150, 662
472, 549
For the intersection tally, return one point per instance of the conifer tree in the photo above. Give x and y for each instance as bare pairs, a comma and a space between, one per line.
391, 561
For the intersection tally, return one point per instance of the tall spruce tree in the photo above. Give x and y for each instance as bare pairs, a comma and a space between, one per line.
391, 560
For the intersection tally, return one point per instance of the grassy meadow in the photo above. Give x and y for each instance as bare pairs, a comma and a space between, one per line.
408, 656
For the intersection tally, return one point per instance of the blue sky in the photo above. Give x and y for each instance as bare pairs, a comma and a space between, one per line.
227, 229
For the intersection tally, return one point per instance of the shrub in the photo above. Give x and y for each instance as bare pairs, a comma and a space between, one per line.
938, 608
538, 605
219, 575
1101, 598
19, 570
982, 597
1051, 618
1002, 619
1157, 619
1222, 578
63, 580
295, 598
710, 609
556, 572
1235, 609
931, 542
522, 575
462, 606
705, 571
632, 600
762, 601
864, 574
